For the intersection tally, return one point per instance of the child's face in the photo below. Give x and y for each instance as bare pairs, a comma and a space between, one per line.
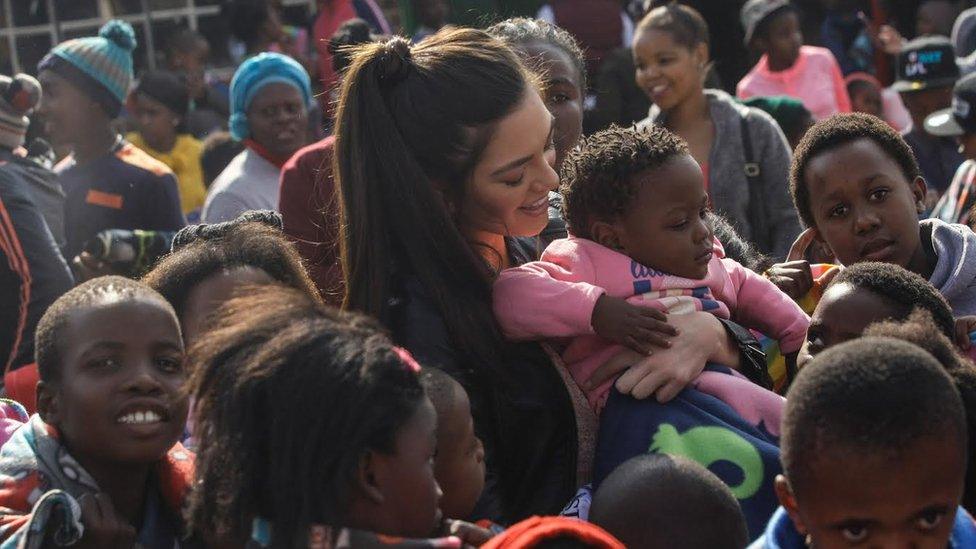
563, 94
922, 103
432, 13
408, 505
119, 399
192, 64
864, 208
155, 121
665, 227
783, 41
69, 115
867, 99
868, 500
460, 463
210, 293
277, 118
843, 313
667, 71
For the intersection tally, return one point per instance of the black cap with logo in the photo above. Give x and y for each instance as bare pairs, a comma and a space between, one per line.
961, 118
926, 63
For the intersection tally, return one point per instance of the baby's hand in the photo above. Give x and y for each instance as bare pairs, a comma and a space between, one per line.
104, 528
471, 534
965, 325
639, 328
794, 277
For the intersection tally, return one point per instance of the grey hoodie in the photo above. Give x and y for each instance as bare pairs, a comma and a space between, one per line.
955, 266
728, 184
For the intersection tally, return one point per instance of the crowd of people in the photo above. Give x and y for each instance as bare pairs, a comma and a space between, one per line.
470, 288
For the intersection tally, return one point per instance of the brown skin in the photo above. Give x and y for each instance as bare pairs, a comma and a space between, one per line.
431, 13
277, 118
459, 465
782, 42
673, 77
563, 93
73, 119
192, 65
842, 314
867, 99
155, 122
851, 499
665, 228
211, 292
118, 357
921, 104
865, 209
396, 494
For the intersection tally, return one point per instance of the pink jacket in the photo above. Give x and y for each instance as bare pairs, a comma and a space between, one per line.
815, 79
554, 298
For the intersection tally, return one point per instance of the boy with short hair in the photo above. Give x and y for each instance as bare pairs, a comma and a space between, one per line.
858, 187
873, 451
658, 501
101, 465
109, 183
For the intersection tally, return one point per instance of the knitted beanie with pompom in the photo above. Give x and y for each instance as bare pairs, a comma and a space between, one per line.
18, 97
100, 66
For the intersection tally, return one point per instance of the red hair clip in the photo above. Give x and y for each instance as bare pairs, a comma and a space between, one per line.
407, 359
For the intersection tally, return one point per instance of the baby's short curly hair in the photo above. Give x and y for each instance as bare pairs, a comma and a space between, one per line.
598, 177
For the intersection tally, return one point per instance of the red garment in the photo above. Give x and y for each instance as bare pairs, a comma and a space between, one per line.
332, 14
264, 153
597, 26
309, 206
534, 530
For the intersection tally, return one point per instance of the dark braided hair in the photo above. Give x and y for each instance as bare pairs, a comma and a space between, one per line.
289, 396
598, 178
518, 32
252, 240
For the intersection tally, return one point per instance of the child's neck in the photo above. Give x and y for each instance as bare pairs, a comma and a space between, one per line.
97, 143
125, 484
163, 145
923, 260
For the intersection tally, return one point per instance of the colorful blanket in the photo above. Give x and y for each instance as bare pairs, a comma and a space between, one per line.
41, 483
722, 421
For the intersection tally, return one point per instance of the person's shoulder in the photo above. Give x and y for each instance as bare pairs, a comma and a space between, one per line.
139, 160
816, 52
312, 156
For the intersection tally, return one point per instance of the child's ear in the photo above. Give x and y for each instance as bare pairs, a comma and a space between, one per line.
784, 493
366, 478
919, 190
701, 56
48, 405
606, 234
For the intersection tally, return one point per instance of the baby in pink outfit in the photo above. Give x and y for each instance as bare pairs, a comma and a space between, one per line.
635, 204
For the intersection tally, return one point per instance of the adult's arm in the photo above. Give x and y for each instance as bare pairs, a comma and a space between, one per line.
33, 263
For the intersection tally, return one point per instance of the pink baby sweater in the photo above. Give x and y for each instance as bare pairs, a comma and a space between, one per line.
554, 298
815, 79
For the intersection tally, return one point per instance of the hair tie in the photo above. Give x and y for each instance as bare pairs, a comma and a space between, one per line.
396, 62
409, 364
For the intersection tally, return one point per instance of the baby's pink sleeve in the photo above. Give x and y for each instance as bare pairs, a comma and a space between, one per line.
760, 305
543, 299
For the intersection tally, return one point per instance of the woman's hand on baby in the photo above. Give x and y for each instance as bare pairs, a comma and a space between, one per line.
665, 373
635, 327
104, 528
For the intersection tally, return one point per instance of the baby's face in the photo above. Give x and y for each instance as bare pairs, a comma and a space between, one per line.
909, 500
664, 228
